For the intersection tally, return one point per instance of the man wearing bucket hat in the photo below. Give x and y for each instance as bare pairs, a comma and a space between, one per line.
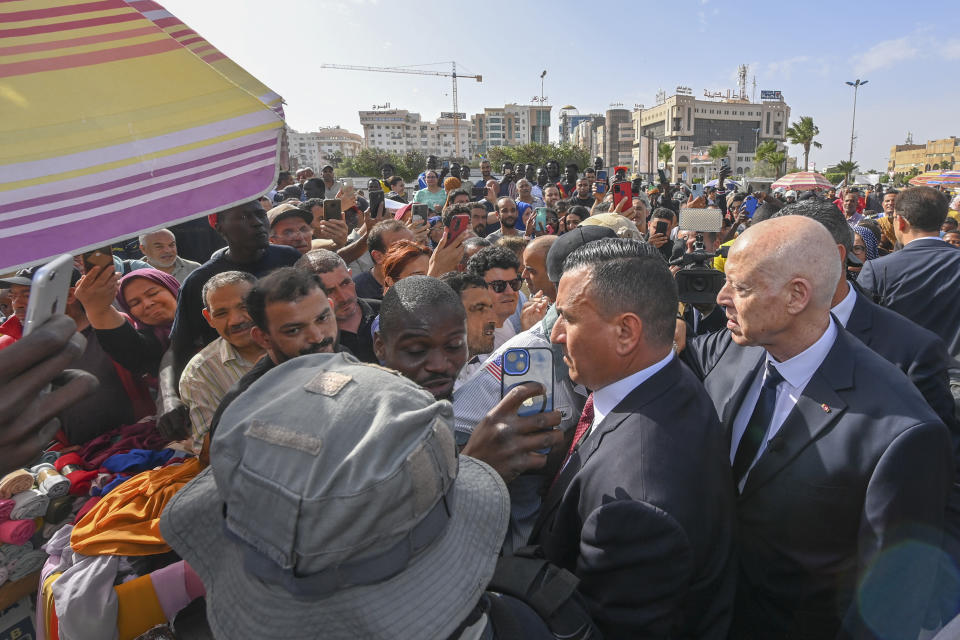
363, 525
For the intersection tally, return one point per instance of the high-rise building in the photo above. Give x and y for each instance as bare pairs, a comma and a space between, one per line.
570, 118
511, 125
692, 126
934, 155
618, 138
399, 131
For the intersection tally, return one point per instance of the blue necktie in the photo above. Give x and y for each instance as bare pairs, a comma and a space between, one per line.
759, 423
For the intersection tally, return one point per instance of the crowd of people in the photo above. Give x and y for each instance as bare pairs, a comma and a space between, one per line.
291, 418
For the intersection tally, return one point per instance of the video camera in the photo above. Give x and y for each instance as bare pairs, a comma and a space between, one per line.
698, 283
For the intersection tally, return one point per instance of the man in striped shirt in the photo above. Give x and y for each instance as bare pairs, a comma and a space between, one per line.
210, 373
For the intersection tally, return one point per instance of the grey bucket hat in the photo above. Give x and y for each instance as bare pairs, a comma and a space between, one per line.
335, 506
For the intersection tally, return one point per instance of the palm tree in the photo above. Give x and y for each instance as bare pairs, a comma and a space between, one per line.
846, 167
777, 159
719, 151
665, 153
768, 152
803, 133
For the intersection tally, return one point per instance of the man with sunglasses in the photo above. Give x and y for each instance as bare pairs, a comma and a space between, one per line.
500, 269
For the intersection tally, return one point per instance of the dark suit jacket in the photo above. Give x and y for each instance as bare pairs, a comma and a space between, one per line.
919, 353
713, 321
858, 473
643, 515
921, 282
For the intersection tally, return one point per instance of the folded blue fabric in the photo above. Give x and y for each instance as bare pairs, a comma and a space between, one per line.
110, 486
136, 460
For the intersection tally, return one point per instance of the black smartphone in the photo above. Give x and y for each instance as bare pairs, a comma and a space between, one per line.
332, 210
661, 227
101, 257
376, 199
419, 211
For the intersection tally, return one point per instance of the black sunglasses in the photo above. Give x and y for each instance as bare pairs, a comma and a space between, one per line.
499, 286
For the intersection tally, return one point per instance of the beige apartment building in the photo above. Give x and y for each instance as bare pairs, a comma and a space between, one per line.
934, 155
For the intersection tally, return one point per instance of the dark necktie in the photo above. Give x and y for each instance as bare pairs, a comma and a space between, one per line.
586, 419
759, 423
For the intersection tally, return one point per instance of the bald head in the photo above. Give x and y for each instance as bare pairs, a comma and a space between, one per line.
535, 266
792, 247
781, 277
539, 245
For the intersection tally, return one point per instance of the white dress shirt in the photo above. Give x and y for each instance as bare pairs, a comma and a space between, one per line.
844, 309
796, 372
605, 399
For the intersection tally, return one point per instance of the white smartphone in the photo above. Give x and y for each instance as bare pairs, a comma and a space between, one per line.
48, 291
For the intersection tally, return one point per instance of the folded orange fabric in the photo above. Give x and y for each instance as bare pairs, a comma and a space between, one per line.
126, 521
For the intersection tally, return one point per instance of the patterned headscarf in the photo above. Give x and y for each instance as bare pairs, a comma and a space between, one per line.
165, 280
868, 239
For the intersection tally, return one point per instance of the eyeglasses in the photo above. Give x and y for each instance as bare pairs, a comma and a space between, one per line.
499, 286
859, 249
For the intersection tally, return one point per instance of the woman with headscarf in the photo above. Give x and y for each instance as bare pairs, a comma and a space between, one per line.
137, 335
888, 240
865, 247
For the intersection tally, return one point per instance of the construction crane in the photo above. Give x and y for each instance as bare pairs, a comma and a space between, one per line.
451, 74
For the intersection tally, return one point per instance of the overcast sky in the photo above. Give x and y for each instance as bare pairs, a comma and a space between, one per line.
596, 54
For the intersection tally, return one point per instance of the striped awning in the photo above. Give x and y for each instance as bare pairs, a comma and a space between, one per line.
117, 118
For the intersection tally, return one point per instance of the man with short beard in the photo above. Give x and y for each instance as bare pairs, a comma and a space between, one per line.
160, 252
583, 195
478, 302
507, 213
551, 196
354, 315
210, 374
291, 317
485, 175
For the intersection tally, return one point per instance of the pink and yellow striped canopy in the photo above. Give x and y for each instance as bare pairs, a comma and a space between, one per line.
117, 118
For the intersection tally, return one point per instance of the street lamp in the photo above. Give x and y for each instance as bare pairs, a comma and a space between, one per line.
856, 87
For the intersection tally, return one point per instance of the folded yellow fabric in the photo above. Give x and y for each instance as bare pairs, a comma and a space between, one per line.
126, 521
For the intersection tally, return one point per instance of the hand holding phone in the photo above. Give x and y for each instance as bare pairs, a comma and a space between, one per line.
458, 224
332, 210
521, 365
540, 220
505, 440
49, 287
102, 257
419, 212
621, 191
